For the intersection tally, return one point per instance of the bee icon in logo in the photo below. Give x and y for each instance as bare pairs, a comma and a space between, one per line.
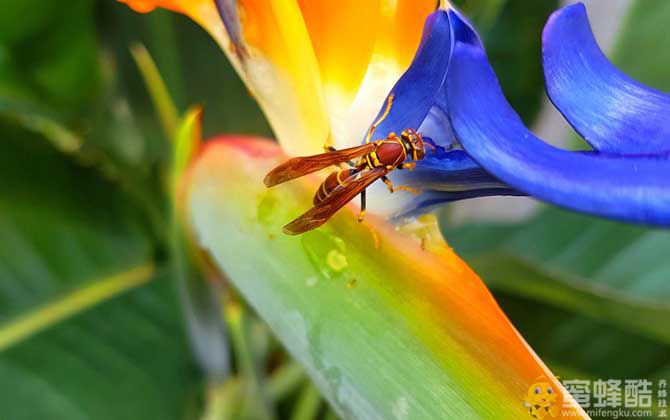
541, 399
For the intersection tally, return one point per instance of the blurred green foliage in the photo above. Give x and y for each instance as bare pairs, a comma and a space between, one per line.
83, 204
588, 294
640, 50
512, 33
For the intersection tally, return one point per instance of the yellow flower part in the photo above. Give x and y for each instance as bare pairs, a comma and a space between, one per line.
362, 49
319, 70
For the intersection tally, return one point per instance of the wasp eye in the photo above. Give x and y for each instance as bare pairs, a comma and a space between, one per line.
538, 391
549, 390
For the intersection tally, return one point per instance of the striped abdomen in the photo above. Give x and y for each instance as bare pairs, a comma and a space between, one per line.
333, 181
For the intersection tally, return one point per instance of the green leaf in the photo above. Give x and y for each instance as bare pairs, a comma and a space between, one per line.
580, 347
165, 107
608, 271
483, 13
39, 121
640, 48
124, 359
512, 32
193, 66
514, 274
384, 327
65, 306
185, 145
257, 404
21, 19
54, 80
308, 404
51, 211
80, 336
53, 52
591, 296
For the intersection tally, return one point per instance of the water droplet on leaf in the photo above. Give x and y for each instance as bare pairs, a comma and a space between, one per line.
336, 260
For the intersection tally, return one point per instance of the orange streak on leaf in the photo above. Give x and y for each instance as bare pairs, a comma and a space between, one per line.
443, 301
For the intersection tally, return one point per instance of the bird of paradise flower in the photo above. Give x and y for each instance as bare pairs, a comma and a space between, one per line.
298, 61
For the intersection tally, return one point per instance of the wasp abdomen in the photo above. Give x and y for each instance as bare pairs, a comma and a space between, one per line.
333, 181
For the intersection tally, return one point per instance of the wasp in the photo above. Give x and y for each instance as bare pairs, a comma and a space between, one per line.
375, 160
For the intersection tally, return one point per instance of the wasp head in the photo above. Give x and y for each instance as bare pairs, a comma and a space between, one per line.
415, 143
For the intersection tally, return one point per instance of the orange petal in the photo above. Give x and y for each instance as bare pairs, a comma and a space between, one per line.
343, 37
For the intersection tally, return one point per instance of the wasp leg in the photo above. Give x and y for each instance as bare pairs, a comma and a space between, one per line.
374, 125
361, 215
408, 189
388, 184
409, 165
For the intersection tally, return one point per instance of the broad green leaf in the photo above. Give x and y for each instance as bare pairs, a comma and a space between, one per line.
125, 359
80, 336
384, 329
53, 211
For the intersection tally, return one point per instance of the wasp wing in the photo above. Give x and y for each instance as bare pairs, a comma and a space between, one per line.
337, 199
300, 166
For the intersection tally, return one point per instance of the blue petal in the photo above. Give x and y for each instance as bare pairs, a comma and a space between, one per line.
449, 171
436, 125
464, 30
610, 110
421, 102
634, 189
431, 200
415, 91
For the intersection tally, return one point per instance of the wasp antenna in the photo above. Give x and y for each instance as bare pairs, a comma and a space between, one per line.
429, 141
